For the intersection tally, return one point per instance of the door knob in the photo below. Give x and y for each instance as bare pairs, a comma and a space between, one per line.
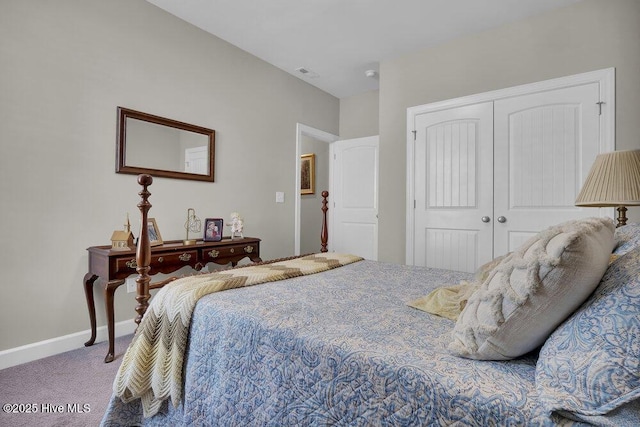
502, 219
485, 219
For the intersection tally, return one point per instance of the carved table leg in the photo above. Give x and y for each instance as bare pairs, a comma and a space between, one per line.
88, 281
109, 291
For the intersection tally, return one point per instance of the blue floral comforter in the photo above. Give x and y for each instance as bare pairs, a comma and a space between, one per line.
338, 348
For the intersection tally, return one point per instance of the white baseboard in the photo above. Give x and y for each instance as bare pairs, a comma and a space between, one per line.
38, 350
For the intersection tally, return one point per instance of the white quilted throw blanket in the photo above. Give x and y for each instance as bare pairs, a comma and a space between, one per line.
151, 369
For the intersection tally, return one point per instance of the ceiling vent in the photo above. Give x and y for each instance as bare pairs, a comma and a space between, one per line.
305, 72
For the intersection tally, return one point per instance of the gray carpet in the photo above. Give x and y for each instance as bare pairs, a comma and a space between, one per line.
78, 380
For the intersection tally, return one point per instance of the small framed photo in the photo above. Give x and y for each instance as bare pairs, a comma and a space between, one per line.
308, 174
154, 232
213, 229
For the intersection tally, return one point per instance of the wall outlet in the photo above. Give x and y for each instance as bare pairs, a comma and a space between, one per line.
279, 197
131, 284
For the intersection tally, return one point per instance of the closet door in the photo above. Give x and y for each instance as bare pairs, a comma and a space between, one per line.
453, 178
545, 144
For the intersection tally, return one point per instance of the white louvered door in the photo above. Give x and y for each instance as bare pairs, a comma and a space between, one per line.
454, 187
545, 144
488, 176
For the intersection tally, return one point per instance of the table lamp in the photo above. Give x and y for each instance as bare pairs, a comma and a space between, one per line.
613, 181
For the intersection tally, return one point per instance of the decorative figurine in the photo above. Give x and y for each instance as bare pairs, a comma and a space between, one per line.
122, 240
237, 224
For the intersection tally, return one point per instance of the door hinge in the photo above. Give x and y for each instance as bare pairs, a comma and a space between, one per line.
600, 107
414, 204
414, 134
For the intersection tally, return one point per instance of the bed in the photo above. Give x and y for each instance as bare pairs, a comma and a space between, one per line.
344, 347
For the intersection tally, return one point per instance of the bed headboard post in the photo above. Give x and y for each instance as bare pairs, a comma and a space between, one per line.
143, 252
324, 234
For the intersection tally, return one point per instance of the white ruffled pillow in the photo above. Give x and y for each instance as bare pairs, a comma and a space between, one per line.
533, 290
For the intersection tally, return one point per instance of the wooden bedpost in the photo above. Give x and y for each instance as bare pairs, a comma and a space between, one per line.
143, 252
324, 234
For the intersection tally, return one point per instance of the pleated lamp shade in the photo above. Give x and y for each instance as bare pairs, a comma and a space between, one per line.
614, 180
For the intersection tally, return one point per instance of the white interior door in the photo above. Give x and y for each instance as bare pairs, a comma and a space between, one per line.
196, 160
454, 187
355, 197
545, 144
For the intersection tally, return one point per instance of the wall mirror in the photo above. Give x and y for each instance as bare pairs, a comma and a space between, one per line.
163, 147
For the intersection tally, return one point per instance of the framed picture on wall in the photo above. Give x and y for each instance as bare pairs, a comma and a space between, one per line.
308, 174
213, 229
154, 232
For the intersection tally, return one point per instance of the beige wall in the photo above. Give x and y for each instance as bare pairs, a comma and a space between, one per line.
65, 67
359, 115
590, 35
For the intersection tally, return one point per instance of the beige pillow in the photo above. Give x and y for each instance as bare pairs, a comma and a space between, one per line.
483, 272
534, 289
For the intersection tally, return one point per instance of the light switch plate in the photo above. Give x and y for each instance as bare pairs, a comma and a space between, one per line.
279, 197
132, 286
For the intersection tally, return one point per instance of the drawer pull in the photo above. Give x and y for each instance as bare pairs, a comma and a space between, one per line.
248, 249
160, 259
185, 257
132, 263
232, 250
213, 253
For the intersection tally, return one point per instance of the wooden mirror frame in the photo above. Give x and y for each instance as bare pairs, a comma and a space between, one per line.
121, 146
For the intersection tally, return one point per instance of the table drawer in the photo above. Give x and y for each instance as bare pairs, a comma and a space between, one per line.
126, 265
160, 261
217, 254
173, 260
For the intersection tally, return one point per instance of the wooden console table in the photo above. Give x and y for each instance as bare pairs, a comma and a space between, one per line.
113, 267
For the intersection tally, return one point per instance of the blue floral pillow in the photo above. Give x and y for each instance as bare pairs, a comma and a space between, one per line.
627, 238
590, 365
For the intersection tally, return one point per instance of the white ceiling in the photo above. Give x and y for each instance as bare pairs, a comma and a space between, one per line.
339, 40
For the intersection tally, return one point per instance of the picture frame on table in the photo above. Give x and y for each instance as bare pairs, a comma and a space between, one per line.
155, 238
308, 174
213, 228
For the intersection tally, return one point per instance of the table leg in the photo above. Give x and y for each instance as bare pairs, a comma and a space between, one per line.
88, 282
109, 291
